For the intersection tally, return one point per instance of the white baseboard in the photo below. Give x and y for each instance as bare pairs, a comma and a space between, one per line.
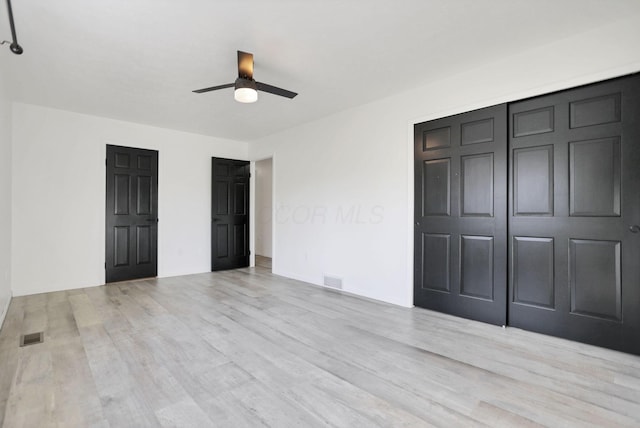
352, 292
5, 310
309, 280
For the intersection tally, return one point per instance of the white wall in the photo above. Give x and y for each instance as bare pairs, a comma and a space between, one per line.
343, 185
263, 207
59, 196
5, 189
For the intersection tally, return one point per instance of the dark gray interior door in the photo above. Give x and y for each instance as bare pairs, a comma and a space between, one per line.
460, 233
131, 214
229, 214
574, 206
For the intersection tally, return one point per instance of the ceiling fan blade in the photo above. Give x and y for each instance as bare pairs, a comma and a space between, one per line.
214, 88
245, 65
275, 90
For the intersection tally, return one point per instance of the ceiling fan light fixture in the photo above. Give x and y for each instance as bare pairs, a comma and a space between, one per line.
246, 88
245, 91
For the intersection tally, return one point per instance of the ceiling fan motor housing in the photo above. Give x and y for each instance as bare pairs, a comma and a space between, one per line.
241, 82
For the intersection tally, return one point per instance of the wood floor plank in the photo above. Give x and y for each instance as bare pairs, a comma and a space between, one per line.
32, 400
77, 399
185, 413
122, 400
246, 348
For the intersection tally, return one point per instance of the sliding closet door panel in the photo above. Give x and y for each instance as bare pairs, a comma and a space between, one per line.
461, 215
574, 199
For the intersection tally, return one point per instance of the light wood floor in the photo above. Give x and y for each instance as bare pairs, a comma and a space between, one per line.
249, 349
262, 261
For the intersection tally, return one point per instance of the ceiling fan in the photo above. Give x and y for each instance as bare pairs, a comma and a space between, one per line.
246, 88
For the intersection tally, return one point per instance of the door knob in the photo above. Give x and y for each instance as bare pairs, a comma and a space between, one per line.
634, 228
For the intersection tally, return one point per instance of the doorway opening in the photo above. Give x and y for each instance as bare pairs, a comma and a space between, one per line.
264, 214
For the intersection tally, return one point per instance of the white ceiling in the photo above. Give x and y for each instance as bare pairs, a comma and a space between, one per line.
138, 60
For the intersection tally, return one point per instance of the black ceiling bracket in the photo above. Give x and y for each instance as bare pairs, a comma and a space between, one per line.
14, 46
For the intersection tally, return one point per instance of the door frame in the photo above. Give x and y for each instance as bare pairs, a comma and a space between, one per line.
517, 94
252, 211
253, 195
509, 101
155, 205
250, 214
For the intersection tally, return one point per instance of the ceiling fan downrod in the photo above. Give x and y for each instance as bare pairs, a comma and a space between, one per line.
14, 46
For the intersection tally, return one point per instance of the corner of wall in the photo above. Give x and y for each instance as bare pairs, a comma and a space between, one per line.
5, 309
6, 192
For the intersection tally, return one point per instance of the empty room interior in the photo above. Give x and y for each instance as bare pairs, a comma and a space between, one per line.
320, 213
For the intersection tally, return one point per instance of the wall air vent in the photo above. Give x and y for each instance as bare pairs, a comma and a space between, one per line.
333, 282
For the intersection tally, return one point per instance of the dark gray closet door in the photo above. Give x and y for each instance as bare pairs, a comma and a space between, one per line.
229, 214
131, 214
460, 244
574, 203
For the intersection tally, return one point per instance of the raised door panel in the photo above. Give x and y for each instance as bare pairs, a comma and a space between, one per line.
239, 240
594, 177
436, 138
533, 271
221, 195
144, 195
240, 198
532, 122
145, 162
477, 185
476, 132
476, 266
122, 193
122, 160
121, 246
436, 263
144, 244
533, 181
595, 111
222, 241
595, 278
437, 187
